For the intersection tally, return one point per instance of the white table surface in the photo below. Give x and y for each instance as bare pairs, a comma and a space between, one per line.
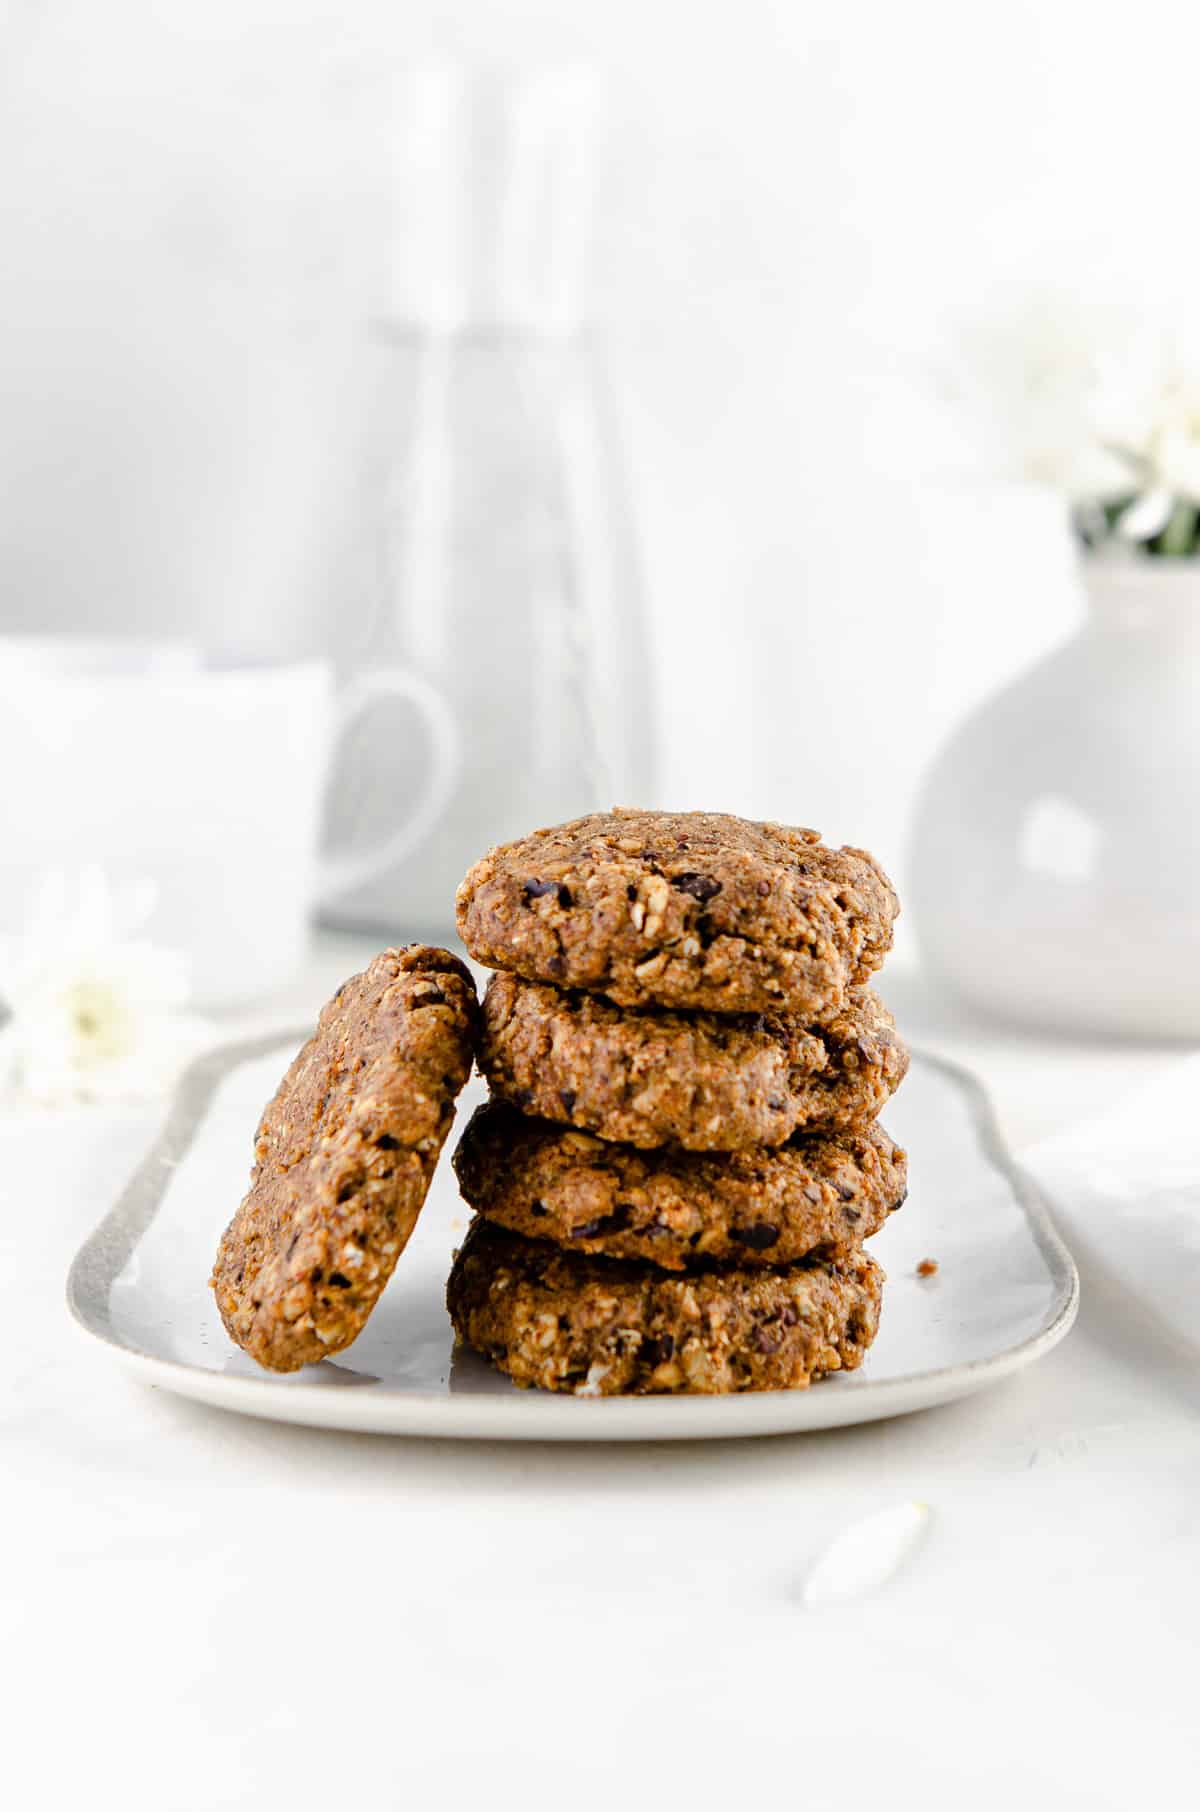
203, 1611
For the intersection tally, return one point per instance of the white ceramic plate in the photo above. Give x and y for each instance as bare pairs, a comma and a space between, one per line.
1005, 1291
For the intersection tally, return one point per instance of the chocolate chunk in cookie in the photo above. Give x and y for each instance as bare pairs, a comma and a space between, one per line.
820, 1192
602, 1328
682, 909
706, 1081
343, 1158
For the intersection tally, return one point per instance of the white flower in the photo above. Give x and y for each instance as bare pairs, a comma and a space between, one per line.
89, 1010
1172, 448
1148, 410
1098, 400
1031, 375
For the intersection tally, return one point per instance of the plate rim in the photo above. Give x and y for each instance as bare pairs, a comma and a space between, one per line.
533, 1415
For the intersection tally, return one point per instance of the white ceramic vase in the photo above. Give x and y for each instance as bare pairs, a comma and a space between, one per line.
1054, 872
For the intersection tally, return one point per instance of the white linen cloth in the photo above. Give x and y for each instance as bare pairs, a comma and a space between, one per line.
202, 1611
1126, 1185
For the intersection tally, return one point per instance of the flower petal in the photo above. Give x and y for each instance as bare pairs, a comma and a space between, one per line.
1146, 516
866, 1555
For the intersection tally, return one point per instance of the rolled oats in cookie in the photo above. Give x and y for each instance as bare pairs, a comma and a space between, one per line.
602, 1328
866, 1061
706, 1081
682, 909
819, 1193
343, 1157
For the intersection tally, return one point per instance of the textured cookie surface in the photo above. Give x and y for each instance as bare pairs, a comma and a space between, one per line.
343, 1158
706, 1081
601, 1328
820, 1192
682, 909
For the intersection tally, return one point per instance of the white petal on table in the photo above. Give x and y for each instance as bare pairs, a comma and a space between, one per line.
866, 1555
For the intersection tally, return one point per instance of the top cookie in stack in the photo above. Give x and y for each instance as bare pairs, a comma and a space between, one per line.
682, 909
689, 1063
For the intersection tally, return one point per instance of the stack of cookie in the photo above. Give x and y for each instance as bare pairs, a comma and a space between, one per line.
680, 1160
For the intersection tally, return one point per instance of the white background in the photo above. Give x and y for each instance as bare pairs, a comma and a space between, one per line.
801, 199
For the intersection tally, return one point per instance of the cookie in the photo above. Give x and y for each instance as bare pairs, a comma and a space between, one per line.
706, 1081
682, 909
343, 1157
817, 1193
602, 1328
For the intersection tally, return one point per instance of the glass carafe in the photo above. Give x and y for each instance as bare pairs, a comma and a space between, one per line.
503, 560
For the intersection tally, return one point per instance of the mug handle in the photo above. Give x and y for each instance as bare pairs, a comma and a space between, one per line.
338, 874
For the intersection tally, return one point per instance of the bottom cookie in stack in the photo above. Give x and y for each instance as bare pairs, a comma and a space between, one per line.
603, 1327
602, 1269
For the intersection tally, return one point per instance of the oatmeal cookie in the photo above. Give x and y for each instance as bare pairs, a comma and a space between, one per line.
820, 1192
343, 1157
706, 1081
682, 909
603, 1328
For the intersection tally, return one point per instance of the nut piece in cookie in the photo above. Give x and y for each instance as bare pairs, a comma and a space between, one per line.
706, 1081
682, 909
343, 1157
601, 1328
821, 1192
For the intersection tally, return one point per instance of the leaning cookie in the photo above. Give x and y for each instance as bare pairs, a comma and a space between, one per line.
818, 1193
601, 1328
343, 1158
706, 1081
682, 909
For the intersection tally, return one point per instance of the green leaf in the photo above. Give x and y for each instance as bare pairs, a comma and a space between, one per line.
1179, 536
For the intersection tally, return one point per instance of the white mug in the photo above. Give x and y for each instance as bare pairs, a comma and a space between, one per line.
207, 781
